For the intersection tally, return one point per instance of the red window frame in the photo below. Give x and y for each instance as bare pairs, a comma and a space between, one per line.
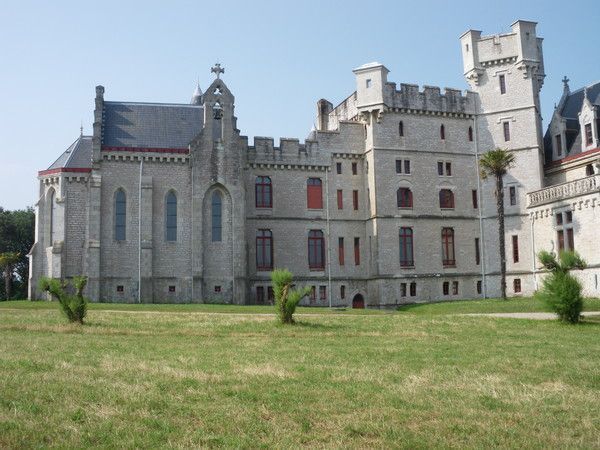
506, 127
341, 251
404, 198
357, 251
355, 200
407, 256
446, 199
316, 250
263, 192
448, 169
264, 250
448, 255
340, 199
314, 193
515, 248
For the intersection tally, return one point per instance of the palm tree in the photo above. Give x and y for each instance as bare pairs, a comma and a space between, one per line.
496, 163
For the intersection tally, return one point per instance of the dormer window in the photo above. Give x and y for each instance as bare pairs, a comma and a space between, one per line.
558, 144
368, 83
588, 134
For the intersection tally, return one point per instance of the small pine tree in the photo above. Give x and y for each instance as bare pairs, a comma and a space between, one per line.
286, 298
74, 307
561, 291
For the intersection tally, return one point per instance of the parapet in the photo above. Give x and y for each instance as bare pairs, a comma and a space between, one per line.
431, 99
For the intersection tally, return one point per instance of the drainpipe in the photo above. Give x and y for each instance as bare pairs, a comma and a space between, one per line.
533, 270
192, 225
480, 200
328, 236
140, 231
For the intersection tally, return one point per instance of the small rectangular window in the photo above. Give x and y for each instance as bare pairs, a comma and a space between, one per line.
217, 289
322, 292
260, 295
506, 127
561, 240
512, 193
354, 168
406, 166
570, 239
171, 288
398, 166
120, 288
402, 289
449, 169
413, 289
479, 286
355, 200
342, 291
455, 288
589, 139
569, 217
475, 199
477, 252
357, 251
515, 248
502, 80
559, 219
340, 199
517, 285
341, 251
368, 84
338, 168
558, 142
440, 167
314, 193
446, 288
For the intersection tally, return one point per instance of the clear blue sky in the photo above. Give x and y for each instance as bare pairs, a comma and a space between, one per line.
280, 58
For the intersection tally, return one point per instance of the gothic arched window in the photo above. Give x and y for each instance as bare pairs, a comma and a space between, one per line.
171, 217
216, 214
120, 215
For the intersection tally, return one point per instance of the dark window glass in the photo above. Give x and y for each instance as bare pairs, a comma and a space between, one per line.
401, 129
446, 199
406, 247
413, 289
475, 199
470, 134
120, 288
588, 134
171, 217
570, 239
313, 294
398, 166
477, 252
356, 251
448, 169
559, 219
264, 192
120, 215
589, 170
322, 292
558, 142
338, 167
341, 251
270, 295
406, 166
264, 250
355, 200
448, 247
314, 193
217, 229
440, 167
342, 291
506, 127
479, 286
340, 199
569, 217
517, 285
512, 194
502, 80
455, 288
446, 288
260, 295
442, 132
316, 249
354, 168
171, 288
561, 240
515, 247
402, 289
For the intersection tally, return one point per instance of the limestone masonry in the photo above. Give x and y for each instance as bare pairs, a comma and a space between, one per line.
381, 204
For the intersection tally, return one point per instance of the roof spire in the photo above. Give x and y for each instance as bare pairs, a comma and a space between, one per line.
81, 129
565, 81
585, 97
197, 95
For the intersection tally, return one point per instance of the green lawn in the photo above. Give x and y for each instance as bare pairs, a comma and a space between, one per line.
173, 376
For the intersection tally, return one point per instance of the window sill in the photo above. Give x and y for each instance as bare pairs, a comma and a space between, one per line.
317, 269
405, 208
449, 266
411, 266
264, 269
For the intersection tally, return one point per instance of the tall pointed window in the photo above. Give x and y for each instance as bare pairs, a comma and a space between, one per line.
264, 250
217, 219
448, 247
171, 217
264, 193
406, 247
316, 250
120, 215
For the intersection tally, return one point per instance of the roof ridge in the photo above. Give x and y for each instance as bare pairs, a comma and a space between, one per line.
65, 151
187, 105
78, 142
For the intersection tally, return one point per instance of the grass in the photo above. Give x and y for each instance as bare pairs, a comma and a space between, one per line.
422, 377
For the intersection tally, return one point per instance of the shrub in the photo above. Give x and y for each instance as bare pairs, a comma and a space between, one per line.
286, 298
74, 307
561, 291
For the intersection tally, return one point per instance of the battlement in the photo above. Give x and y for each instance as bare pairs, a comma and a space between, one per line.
290, 150
431, 99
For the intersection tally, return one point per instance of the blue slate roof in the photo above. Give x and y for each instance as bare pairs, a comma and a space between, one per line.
150, 125
574, 101
77, 156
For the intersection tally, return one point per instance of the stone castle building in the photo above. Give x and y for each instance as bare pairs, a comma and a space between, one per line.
382, 204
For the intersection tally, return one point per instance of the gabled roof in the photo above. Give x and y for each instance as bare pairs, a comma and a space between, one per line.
77, 158
150, 125
574, 100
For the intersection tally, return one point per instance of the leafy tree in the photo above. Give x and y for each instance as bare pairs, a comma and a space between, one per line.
286, 298
561, 291
8, 260
74, 307
16, 236
496, 163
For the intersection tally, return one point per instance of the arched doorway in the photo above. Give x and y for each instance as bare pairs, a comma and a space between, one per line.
358, 302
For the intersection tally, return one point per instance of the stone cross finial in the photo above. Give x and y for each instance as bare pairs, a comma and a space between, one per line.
565, 81
217, 69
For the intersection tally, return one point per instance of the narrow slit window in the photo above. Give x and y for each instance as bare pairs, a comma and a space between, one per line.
171, 217
120, 215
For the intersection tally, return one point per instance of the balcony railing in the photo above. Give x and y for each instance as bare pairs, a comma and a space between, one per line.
564, 190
